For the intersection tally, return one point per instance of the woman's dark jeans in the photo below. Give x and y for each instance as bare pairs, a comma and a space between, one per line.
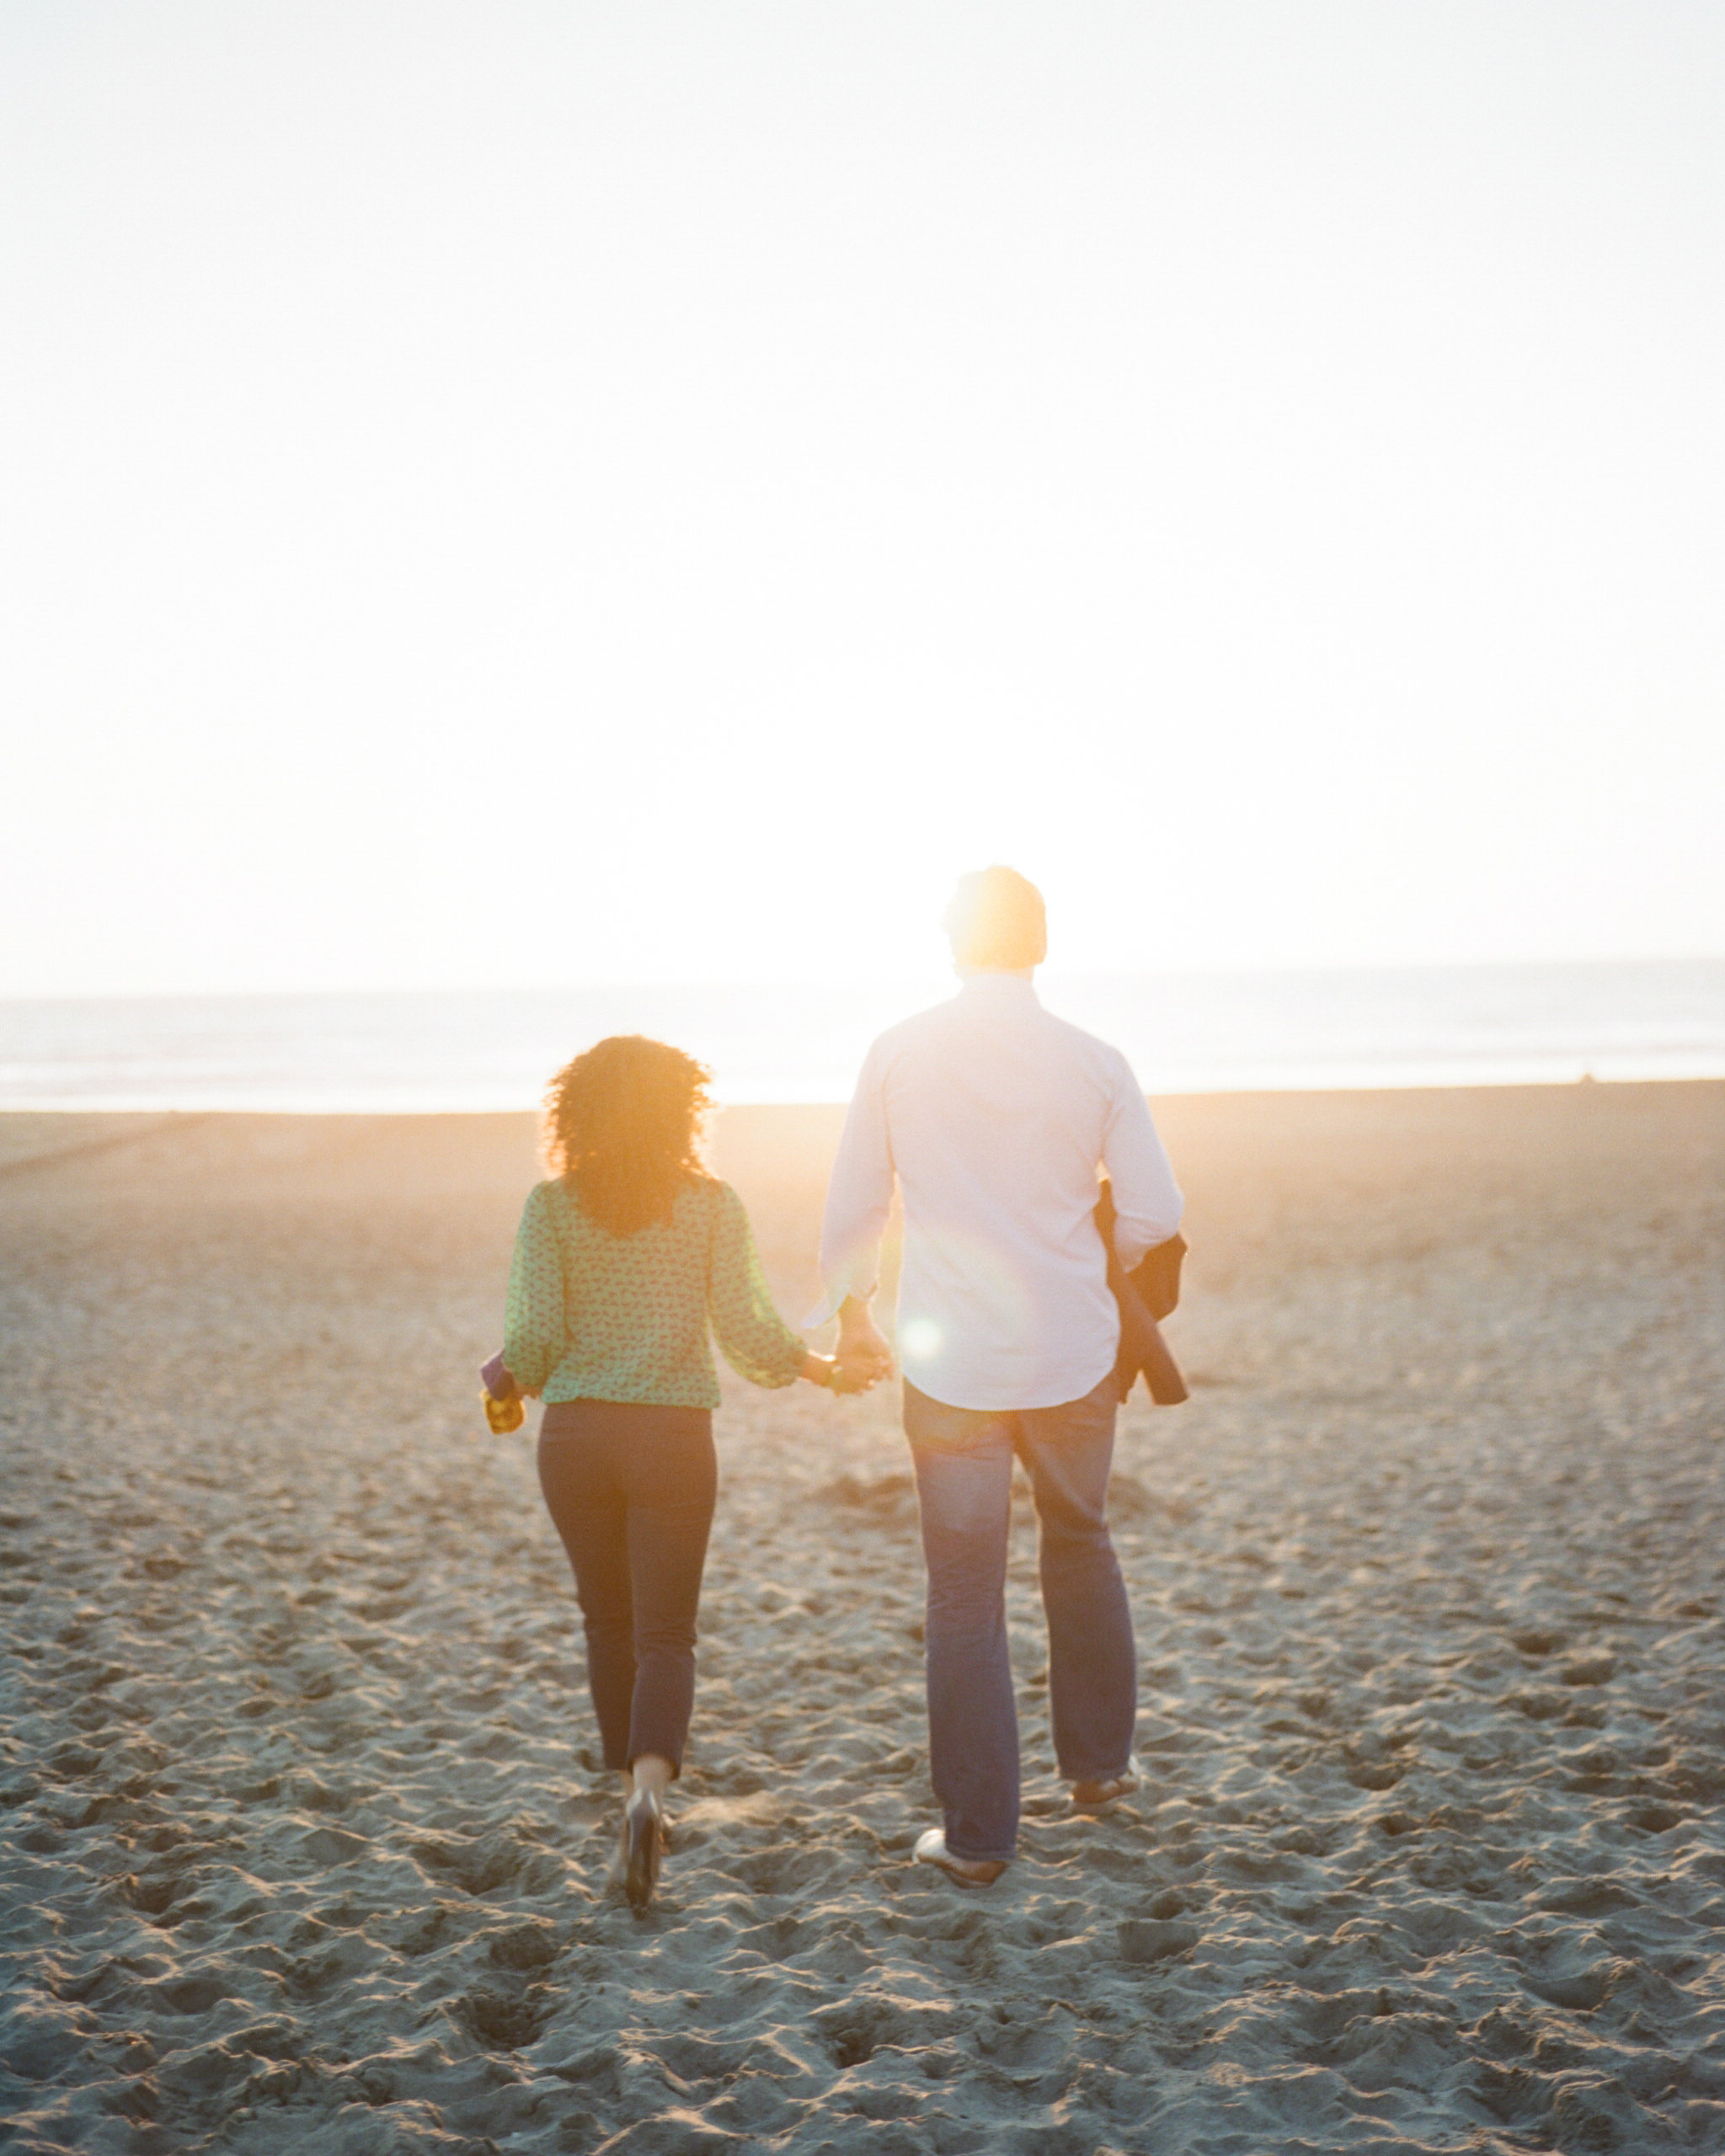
963, 1461
631, 1489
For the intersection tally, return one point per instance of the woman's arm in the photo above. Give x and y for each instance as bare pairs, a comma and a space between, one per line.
533, 1336
754, 1338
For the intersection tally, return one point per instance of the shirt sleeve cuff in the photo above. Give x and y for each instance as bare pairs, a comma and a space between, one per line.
1132, 1247
837, 1292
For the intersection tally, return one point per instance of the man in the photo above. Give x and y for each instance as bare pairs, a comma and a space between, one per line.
994, 1117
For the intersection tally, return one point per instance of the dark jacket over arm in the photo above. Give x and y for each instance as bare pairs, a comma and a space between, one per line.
1148, 1292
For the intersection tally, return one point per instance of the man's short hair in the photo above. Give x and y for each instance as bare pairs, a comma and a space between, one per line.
996, 921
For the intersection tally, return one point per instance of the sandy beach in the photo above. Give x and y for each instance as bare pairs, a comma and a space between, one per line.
304, 1847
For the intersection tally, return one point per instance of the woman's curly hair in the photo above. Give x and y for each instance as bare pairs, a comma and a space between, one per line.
622, 1127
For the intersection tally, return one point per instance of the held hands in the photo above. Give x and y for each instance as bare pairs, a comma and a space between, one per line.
827, 1371
863, 1354
863, 1357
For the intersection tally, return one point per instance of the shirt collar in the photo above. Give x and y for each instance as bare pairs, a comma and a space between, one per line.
993, 983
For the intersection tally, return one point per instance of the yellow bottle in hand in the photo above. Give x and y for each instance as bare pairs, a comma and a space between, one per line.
504, 1414
502, 1398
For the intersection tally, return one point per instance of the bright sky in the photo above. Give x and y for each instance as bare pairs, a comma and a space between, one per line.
550, 494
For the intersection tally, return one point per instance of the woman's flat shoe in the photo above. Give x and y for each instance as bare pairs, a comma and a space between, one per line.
641, 1848
968, 1872
1104, 1796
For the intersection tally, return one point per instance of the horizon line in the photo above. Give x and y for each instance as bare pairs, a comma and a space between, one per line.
931, 976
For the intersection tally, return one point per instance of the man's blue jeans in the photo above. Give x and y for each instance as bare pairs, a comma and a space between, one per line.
963, 1461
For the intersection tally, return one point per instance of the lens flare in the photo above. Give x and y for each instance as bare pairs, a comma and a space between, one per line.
919, 1341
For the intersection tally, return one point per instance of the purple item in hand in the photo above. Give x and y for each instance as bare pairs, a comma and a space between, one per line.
498, 1381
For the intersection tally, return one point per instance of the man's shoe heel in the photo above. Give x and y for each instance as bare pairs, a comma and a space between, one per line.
1096, 1797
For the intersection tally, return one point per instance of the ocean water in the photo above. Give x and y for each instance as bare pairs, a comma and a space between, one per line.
474, 1051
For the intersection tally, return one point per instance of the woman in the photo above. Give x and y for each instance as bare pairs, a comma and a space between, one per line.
621, 1262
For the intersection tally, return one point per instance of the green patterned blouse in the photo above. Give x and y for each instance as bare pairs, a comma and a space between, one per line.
597, 1317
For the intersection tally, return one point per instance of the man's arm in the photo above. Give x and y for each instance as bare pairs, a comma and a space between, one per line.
858, 1198
1147, 1200
863, 1354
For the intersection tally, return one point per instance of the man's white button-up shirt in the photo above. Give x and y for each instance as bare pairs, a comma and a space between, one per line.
994, 1115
